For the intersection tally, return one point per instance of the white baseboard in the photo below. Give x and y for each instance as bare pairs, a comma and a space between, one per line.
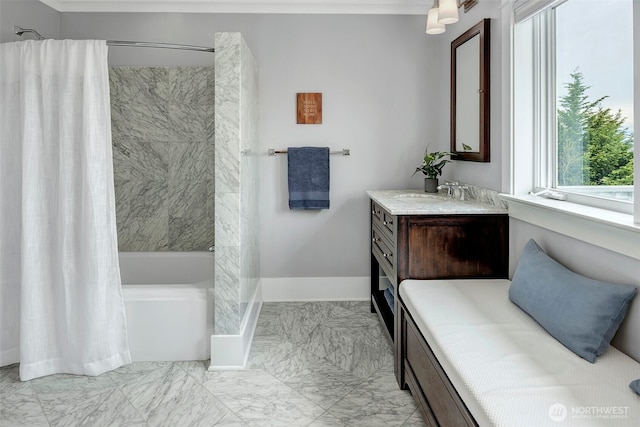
230, 352
316, 289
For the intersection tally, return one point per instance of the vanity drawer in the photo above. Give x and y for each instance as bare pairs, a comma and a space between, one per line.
384, 251
384, 220
388, 225
376, 213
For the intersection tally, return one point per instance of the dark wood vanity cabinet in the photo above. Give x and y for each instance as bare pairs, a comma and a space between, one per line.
443, 246
452, 246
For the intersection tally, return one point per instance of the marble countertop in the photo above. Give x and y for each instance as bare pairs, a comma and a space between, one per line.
416, 202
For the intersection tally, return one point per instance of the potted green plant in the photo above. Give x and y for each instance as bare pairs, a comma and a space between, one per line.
431, 167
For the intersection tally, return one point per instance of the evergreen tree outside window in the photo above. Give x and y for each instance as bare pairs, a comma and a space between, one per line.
594, 92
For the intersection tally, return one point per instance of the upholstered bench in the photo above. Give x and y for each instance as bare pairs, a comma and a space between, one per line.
471, 356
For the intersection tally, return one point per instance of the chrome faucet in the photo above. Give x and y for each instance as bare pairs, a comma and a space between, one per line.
449, 185
454, 189
461, 189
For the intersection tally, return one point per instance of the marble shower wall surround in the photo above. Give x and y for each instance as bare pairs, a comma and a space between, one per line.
163, 154
236, 168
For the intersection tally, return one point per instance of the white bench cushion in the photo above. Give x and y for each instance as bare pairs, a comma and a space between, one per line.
507, 369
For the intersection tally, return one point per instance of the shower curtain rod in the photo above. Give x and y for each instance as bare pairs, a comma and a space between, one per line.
124, 43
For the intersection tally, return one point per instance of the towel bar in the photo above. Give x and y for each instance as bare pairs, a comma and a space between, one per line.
344, 152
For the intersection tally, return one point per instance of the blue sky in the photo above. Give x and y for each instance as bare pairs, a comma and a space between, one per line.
597, 38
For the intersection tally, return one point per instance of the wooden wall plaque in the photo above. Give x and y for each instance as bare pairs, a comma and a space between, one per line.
309, 108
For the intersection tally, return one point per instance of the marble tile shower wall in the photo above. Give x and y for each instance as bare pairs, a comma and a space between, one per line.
227, 221
163, 155
237, 251
249, 178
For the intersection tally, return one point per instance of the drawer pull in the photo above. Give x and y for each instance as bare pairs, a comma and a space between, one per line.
387, 255
375, 239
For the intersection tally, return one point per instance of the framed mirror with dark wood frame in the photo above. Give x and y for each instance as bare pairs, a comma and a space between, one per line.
470, 94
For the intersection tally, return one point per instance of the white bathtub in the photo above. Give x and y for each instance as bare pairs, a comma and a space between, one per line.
168, 300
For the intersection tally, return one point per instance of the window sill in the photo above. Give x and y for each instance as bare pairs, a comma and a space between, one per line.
611, 230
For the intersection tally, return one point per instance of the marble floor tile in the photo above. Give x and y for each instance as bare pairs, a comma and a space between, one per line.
197, 369
259, 399
355, 344
327, 420
306, 323
22, 409
72, 400
18, 401
360, 307
346, 334
295, 322
415, 420
324, 385
112, 410
311, 364
166, 395
280, 357
262, 331
311, 376
231, 420
10, 380
376, 402
361, 353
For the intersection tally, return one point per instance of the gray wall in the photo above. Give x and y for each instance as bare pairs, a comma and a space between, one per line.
163, 157
27, 14
375, 74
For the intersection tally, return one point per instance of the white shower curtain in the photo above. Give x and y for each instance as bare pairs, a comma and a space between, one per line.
61, 306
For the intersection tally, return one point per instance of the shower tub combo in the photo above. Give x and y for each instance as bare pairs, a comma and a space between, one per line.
169, 296
168, 300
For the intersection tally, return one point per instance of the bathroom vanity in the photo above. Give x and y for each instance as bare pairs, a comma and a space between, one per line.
417, 235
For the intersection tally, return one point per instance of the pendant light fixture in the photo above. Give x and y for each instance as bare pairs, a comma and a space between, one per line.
433, 26
445, 12
448, 12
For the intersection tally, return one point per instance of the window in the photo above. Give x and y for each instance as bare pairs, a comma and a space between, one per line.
573, 99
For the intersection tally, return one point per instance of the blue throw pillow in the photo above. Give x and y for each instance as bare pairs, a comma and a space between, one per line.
582, 313
635, 386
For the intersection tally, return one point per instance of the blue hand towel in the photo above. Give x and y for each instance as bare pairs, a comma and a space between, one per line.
308, 177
